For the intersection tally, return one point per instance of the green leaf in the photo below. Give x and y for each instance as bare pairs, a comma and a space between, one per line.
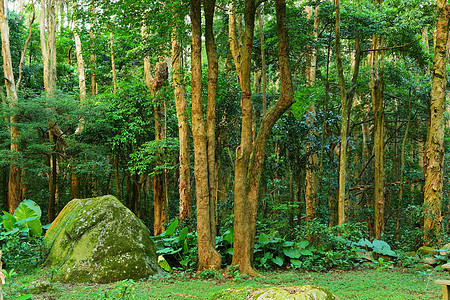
278, 261
171, 229
305, 252
302, 244
24, 213
33, 206
263, 238
11, 232
288, 244
185, 247
291, 253
229, 251
183, 234
296, 263
228, 236
8, 220
25, 297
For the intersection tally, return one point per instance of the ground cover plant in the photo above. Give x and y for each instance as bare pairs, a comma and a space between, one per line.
364, 284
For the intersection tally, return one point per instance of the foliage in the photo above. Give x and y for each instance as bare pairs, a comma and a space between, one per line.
178, 246
21, 243
272, 250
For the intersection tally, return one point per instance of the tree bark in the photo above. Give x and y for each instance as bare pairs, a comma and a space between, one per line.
213, 73
342, 195
250, 157
14, 182
74, 179
263, 61
376, 86
311, 178
434, 147
184, 185
346, 103
155, 84
208, 257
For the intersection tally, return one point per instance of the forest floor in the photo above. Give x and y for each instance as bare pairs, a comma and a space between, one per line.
389, 284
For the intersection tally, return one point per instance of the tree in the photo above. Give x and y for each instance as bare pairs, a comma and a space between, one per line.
434, 147
14, 187
250, 155
208, 257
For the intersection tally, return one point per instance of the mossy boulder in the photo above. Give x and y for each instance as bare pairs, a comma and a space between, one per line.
304, 292
100, 240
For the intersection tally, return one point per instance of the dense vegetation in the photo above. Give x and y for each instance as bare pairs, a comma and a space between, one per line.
317, 154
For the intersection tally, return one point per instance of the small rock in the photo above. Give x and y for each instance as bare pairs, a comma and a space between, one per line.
367, 255
430, 261
412, 254
39, 286
445, 253
425, 250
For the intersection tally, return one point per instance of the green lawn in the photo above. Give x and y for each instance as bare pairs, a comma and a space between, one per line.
363, 284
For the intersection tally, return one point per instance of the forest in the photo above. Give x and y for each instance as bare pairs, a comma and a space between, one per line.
238, 126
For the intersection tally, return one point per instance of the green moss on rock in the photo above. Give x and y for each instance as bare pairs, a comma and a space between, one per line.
305, 292
100, 240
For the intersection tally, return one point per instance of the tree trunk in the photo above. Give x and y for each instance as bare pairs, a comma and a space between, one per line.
311, 178
208, 257
346, 103
14, 187
342, 211
155, 84
250, 158
113, 62
184, 186
48, 47
74, 179
263, 61
376, 87
213, 73
434, 147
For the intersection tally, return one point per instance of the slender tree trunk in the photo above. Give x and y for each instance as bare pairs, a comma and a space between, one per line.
213, 73
48, 47
183, 132
376, 87
155, 84
346, 103
434, 147
263, 61
113, 62
311, 178
342, 211
402, 169
250, 157
74, 179
14, 182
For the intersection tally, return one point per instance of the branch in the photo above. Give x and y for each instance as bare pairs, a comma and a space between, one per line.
22, 56
394, 47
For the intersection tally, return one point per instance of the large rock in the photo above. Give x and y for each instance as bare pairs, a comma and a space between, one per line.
100, 240
305, 292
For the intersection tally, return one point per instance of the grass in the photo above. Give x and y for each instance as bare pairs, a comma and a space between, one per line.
389, 284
